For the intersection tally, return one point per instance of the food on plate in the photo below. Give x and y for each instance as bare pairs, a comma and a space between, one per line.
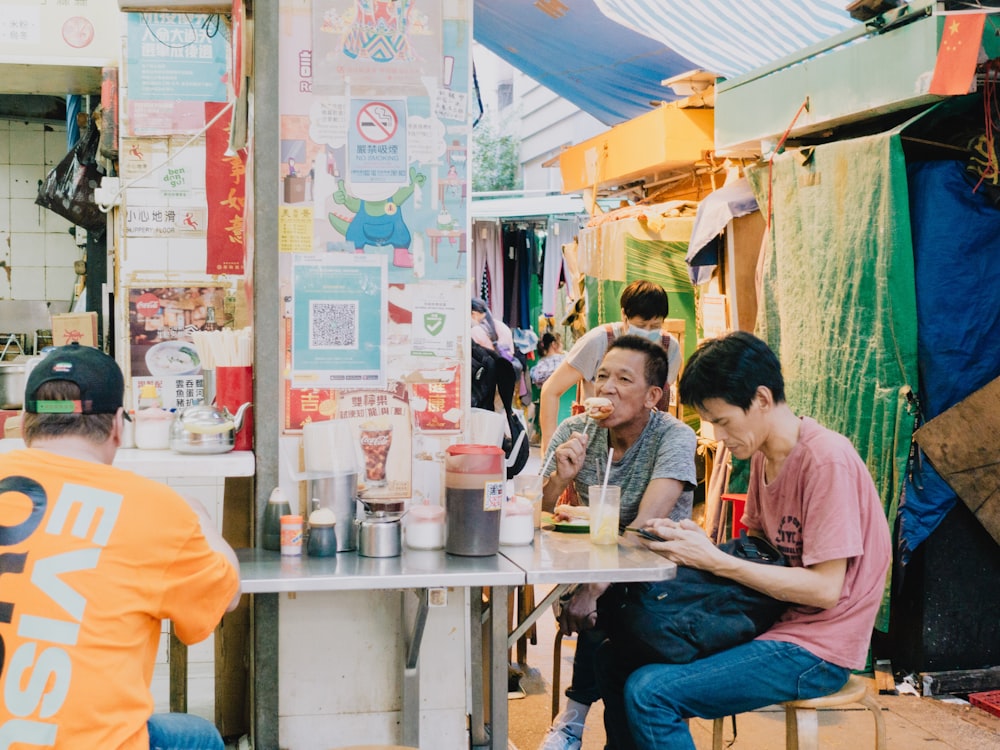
572, 513
598, 407
169, 358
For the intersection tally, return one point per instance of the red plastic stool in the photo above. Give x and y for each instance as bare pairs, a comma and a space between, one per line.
738, 501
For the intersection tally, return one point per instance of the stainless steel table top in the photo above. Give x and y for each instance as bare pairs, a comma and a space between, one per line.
560, 557
265, 572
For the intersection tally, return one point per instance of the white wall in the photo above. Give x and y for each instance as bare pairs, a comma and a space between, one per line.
543, 121
36, 249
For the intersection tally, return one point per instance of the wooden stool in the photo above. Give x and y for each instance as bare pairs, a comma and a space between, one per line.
802, 720
556, 671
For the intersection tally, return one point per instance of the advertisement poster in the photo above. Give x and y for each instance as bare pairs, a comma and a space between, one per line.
176, 62
339, 308
161, 322
380, 423
142, 163
437, 400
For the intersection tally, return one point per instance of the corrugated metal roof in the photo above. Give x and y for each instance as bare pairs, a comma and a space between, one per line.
527, 206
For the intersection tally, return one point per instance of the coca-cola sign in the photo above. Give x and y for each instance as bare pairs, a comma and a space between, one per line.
147, 305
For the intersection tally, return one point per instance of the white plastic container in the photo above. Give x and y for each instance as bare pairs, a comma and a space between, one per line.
517, 522
152, 422
425, 527
152, 429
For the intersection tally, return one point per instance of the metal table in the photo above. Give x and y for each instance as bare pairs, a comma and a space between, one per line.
267, 574
567, 558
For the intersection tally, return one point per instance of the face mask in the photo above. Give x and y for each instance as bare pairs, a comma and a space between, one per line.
653, 335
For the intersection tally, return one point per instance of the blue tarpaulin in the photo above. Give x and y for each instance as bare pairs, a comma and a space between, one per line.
610, 57
956, 250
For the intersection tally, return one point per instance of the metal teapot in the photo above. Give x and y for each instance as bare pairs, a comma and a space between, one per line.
203, 428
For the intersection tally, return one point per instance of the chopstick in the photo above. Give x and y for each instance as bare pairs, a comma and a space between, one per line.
225, 348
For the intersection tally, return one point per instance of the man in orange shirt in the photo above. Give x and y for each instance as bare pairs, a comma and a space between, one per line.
92, 559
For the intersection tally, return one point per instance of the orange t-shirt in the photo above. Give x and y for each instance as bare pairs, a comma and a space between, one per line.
92, 558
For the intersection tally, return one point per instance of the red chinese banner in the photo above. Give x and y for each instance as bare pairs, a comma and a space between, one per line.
225, 189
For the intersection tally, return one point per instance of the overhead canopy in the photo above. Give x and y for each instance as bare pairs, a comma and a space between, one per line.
582, 51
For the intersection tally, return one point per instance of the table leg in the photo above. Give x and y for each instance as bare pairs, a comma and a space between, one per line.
178, 658
477, 650
264, 667
498, 668
532, 616
411, 674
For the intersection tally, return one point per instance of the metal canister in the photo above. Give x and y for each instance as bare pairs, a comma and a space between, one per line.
379, 535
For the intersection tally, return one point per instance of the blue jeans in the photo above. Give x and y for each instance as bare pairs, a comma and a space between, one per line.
182, 732
645, 709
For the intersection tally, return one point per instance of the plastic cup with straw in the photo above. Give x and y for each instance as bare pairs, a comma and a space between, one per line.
604, 515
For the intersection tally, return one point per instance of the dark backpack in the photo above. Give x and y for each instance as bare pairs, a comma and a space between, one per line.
694, 614
491, 373
484, 377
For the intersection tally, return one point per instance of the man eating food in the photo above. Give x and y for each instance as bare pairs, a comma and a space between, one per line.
652, 461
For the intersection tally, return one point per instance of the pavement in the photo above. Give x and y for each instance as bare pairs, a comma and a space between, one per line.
911, 721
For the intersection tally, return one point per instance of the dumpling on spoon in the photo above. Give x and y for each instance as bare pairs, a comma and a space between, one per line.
598, 407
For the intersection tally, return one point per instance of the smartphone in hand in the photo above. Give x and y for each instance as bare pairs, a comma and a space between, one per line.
646, 534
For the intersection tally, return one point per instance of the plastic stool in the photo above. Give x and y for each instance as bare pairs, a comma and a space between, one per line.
802, 720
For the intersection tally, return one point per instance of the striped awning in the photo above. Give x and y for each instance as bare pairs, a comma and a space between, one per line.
609, 57
731, 37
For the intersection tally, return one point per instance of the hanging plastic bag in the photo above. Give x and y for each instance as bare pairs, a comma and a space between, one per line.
68, 189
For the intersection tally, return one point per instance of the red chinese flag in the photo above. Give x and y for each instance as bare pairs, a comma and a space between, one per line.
958, 53
225, 191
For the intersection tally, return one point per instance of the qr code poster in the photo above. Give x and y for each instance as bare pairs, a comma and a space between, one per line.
339, 314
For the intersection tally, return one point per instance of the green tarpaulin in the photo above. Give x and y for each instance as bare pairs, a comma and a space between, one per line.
837, 301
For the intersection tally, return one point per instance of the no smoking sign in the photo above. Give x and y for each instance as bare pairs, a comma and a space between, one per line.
377, 122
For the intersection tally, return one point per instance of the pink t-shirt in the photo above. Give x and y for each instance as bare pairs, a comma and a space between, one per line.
824, 506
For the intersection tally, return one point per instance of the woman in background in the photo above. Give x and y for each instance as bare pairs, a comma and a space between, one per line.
551, 355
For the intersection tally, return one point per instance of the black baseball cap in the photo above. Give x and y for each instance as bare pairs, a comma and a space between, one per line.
102, 387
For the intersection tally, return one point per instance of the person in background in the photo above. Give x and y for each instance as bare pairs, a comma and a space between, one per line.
811, 496
551, 355
652, 463
644, 308
95, 558
493, 334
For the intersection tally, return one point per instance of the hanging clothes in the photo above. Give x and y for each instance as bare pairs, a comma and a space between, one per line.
487, 263
560, 231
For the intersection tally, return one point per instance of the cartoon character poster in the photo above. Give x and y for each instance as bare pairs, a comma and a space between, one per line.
377, 163
383, 43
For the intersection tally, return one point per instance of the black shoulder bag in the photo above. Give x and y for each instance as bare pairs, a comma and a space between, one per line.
693, 615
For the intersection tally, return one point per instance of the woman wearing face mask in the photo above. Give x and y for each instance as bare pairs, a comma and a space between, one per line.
644, 308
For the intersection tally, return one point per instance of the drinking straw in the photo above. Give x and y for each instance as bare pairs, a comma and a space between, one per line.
547, 462
607, 474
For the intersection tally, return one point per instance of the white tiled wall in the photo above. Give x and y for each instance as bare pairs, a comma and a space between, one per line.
36, 249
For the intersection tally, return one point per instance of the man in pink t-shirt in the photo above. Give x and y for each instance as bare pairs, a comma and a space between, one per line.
812, 497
